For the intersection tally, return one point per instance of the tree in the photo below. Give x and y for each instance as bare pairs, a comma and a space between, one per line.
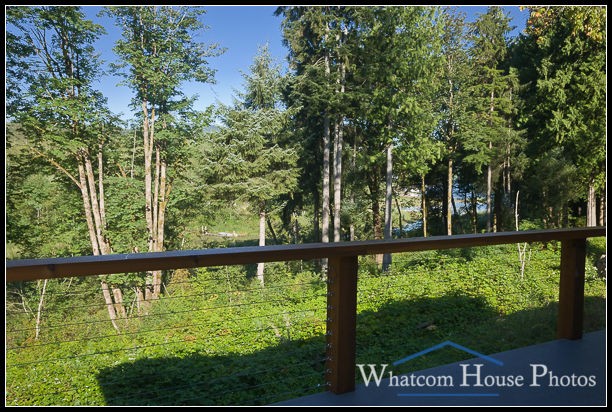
453, 96
317, 38
158, 53
488, 52
562, 66
398, 54
251, 162
61, 114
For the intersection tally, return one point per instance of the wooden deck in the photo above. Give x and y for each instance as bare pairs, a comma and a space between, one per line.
557, 363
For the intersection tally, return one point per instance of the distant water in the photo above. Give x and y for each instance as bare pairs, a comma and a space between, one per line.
410, 226
418, 224
481, 207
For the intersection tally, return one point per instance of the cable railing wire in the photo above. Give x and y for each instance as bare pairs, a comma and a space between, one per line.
162, 328
134, 348
195, 295
163, 314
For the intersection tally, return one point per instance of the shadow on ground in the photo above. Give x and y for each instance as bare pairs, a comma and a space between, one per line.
292, 369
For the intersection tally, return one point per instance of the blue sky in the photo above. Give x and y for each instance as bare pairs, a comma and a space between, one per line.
239, 29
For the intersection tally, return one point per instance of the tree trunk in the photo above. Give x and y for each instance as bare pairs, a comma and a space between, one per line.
399, 213
87, 207
423, 205
101, 189
119, 308
140, 298
262, 242
326, 168
338, 180
296, 229
591, 209
94, 202
352, 199
338, 143
499, 210
164, 189
40, 306
508, 185
449, 197
315, 220
489, 195
148, 127
373, 180
602, 210
155, 204
388, 206
96, 247
325, 200
449, 138
474, 212
489, 182
108, 299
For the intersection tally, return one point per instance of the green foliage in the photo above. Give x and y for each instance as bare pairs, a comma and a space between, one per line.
248, 158
159, 45
561, 63
488, 124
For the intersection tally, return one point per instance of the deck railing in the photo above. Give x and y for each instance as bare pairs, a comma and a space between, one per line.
341, 277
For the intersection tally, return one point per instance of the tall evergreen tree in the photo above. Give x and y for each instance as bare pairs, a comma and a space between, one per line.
317, 38
454, 82
562, 66
397, 57
489, 50
251, 161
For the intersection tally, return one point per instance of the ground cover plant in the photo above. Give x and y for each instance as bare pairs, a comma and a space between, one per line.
217, 337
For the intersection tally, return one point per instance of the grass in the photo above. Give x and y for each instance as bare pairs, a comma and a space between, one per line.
218, 338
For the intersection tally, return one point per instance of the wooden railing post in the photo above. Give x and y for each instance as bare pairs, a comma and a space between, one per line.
571, 289
341, 323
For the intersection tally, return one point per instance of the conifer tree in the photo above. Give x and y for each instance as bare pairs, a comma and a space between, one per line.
489, 50
251, 163
562, 67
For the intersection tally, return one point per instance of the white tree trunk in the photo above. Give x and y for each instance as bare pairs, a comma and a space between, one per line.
591, 208
602, 210
388, 206
262, 242
423, 205
326, 173
338, 163
489, 196
40, 305
449, 198
337, 180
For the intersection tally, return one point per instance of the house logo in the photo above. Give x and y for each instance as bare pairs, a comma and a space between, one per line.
479, 377
454, 345
379, 374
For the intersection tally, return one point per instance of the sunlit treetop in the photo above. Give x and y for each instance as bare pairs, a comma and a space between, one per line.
586, 21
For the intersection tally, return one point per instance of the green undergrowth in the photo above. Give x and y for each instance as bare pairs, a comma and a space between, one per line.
217, 337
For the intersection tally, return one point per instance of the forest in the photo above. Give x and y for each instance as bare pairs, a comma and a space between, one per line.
391, 122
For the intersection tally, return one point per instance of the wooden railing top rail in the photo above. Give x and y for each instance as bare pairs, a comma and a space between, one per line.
32, 269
